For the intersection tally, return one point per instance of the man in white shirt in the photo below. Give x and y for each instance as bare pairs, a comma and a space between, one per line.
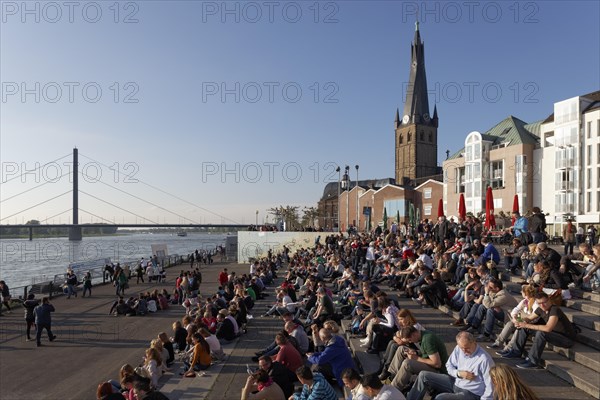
468, 373
378, 391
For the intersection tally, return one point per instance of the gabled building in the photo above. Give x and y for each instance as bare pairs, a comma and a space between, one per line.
501, 157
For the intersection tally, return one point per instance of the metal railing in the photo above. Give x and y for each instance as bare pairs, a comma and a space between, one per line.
54, 286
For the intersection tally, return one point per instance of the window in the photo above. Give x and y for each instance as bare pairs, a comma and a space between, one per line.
460, 180
426, 209
565, 180
477, 171
401, 139
409, 137
477, 154
589, 129
497, 174
589, 178
427, 193
589, 202
589, 154
469, 151
598, 154
421, 136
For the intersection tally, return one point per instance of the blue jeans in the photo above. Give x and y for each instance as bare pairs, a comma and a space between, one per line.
441, 383
539, 342
490, 316
71, 291
537, 237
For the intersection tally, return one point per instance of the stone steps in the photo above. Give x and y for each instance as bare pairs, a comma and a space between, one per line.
576, 374
554, 383
588, 306
581, 354
579, 365
585, 295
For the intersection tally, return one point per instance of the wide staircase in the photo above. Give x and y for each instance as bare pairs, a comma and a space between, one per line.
570, 373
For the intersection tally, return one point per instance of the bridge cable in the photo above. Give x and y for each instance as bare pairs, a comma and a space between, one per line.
116, 206
35, 187
41, 166
170, 194
39, 204
142, 199
56, 215
97, 216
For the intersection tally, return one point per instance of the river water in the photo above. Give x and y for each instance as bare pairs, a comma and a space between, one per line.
23, 262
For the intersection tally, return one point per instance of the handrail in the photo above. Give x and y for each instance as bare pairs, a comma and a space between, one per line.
99, 276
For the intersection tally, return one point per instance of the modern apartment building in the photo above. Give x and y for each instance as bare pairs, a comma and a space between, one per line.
567, 162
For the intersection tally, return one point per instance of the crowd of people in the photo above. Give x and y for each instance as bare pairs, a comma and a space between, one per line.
441, 263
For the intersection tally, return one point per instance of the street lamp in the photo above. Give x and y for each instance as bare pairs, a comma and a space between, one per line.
346, 186
338, 170
357, 214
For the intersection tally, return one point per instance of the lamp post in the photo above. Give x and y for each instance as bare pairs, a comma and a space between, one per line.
256, 218
357, 214
346, 186
338, 170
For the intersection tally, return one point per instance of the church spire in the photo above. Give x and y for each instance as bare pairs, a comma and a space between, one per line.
397, 120
416, 107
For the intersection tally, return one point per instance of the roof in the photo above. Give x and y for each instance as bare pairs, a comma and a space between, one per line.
592, 107
331, 189
429, 181
511, 130
594, 96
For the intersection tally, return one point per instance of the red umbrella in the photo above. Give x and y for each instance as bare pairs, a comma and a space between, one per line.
515, 207
441, 208
462, 208
490, 221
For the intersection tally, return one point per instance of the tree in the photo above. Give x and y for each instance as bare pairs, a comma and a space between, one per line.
309, 215
287, 214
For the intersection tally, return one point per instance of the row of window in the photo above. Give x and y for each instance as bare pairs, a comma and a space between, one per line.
589, 129
421, 137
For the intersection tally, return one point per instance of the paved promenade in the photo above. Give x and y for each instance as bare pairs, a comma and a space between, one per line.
91, 345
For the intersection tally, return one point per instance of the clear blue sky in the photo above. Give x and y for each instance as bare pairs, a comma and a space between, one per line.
350, 59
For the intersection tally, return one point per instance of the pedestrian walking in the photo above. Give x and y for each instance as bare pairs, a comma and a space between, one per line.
71, 283
121, 282
139, 272
87, 284
5, 292
30, 304
43, 320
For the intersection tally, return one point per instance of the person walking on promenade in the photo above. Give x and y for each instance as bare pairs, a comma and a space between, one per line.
121, 282
43, 320
87, 284
569, 237
30, 304
5, 296
139, 273
71, 283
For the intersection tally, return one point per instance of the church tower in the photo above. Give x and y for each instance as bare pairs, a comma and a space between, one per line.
416, 129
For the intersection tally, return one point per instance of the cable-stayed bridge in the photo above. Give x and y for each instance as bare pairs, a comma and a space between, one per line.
75, 228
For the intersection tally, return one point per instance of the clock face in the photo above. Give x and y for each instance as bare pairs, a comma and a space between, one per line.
426, 117
405, 119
